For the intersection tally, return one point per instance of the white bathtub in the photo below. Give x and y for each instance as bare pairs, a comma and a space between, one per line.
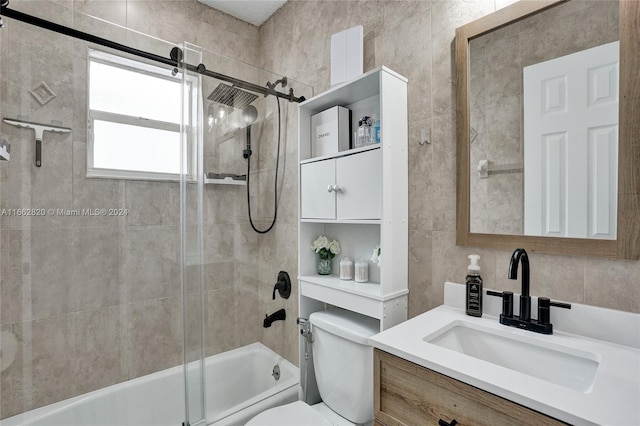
239, 385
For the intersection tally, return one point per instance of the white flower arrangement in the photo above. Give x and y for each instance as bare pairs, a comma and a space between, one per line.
376, 256
325, 248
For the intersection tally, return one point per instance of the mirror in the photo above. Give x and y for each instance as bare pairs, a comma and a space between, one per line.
507, 156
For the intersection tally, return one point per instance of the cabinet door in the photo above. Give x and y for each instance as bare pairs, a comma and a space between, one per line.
316, 201
359, 178
409, 394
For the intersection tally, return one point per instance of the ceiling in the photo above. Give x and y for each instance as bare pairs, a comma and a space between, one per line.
253, 11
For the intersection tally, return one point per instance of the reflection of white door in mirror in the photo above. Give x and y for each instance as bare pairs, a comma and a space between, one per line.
571, 144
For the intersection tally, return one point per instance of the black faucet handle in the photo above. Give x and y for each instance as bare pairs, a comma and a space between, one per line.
283, 285
560, 304
507, 301
544, 309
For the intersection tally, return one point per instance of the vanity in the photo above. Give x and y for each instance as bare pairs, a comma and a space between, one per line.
444, 366
409, 394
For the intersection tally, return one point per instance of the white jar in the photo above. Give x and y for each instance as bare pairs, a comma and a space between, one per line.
346, 269
362, 272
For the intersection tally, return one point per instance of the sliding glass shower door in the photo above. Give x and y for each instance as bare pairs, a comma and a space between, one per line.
191, 234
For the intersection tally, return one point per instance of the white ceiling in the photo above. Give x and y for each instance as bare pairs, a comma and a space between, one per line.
252, 11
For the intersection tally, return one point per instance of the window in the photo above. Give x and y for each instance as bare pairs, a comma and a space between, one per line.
134, 119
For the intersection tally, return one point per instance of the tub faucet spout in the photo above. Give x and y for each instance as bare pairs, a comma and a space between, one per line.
279, 315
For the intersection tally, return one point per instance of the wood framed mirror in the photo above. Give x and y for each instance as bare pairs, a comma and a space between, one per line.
625, 242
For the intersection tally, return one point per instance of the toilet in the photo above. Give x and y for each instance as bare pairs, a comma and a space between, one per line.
343, 363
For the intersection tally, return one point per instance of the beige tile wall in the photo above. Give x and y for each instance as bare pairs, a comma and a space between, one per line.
97, 321
89, 302
416, 38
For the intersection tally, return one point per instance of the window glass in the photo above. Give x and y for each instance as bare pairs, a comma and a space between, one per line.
154, 150
134, 119
134, 93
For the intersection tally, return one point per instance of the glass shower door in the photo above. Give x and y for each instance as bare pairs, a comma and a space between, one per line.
191, 196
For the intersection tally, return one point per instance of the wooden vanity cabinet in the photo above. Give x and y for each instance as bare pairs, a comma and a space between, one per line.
409, 394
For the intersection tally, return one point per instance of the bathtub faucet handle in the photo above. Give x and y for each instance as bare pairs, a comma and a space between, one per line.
283, 285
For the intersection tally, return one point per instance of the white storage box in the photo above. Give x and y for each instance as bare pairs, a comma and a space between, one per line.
330, 131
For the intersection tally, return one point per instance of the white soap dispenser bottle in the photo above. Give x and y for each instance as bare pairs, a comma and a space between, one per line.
474, 287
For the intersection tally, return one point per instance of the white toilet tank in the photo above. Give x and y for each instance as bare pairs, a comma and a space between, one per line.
343, 362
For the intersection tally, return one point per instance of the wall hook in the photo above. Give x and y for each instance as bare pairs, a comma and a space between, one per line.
425, 137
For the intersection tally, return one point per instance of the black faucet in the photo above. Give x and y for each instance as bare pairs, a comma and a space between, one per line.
520, 255
542, 324
279, 315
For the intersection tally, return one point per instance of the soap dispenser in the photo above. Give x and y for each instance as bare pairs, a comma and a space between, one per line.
474, 287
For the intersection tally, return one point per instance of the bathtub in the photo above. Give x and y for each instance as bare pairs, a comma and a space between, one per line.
239, 385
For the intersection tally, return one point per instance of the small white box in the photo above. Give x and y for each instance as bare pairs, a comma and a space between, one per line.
330, 131
347, 58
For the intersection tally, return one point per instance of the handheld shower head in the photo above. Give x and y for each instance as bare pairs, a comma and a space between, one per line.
250, 114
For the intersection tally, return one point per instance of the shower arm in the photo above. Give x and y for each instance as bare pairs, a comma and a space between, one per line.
175, 59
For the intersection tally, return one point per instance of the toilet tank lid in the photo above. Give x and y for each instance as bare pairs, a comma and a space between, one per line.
348, 325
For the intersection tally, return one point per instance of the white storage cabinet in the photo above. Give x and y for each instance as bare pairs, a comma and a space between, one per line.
344, 188
358, 197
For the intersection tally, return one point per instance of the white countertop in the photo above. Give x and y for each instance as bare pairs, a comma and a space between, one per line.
614, 398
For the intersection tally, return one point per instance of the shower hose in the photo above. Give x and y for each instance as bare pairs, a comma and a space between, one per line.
275, 182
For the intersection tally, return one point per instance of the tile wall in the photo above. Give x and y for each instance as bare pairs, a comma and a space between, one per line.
86, 302
415, 38
116, 296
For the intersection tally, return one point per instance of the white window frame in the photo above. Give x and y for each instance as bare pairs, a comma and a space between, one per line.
92, 115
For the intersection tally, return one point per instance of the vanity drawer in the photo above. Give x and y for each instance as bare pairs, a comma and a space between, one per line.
409, 394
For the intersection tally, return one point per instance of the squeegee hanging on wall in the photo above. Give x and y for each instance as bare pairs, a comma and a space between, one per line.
39, 130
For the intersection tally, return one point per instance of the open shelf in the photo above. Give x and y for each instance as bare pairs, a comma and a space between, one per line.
346, 221
363, 298
365, 86
368, 289
228, 180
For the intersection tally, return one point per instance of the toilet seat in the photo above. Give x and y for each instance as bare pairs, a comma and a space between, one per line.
295, 414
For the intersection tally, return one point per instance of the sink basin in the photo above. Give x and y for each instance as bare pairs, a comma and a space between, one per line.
565, 366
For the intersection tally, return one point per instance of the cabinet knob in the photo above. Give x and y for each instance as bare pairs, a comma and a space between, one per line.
333, 188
